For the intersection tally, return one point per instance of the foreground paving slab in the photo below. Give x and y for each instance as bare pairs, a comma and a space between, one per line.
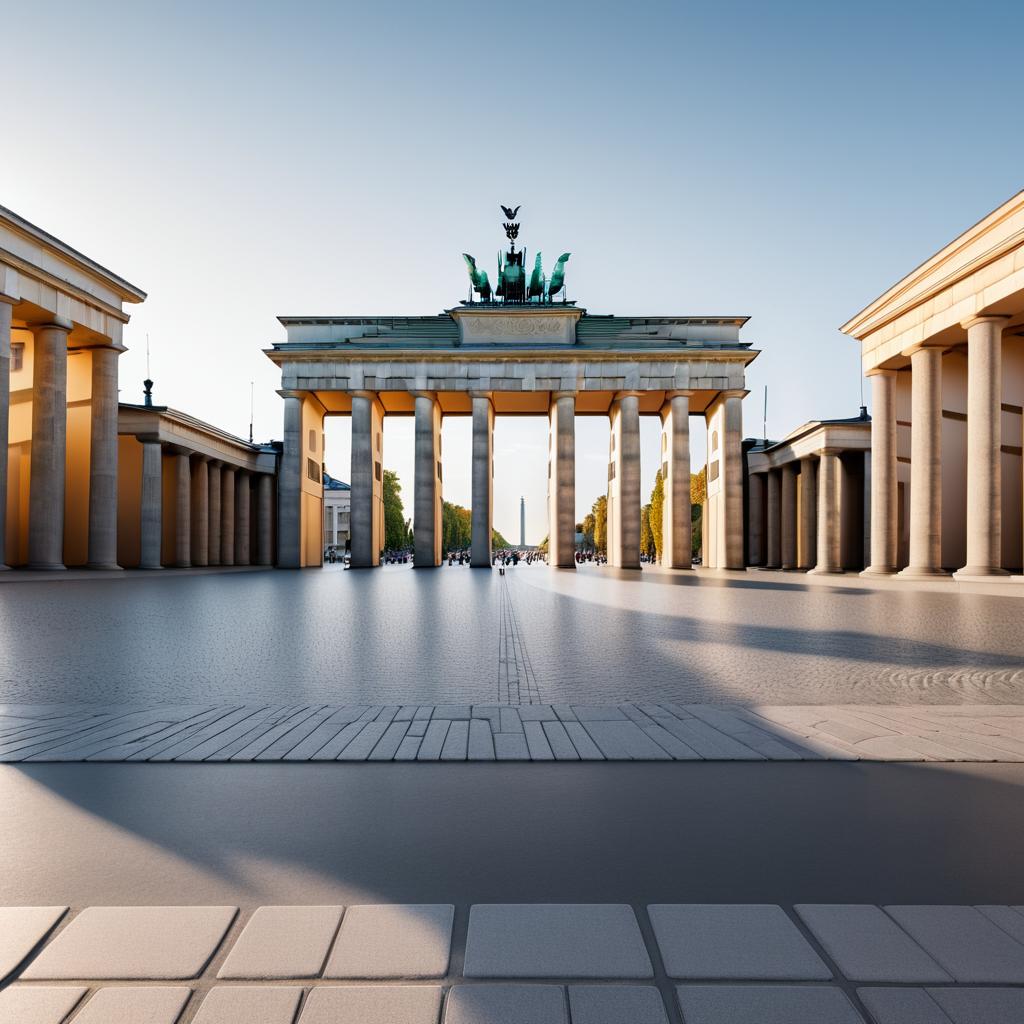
249, 1004
506, 1004
867, 945
733, 941
944, 1005
902, 1006
133, 1005
766, 1004
134, 943
21, 930
372, 1004
964, 941
28, 1004
556, 940
283, 942
616, 1004
393, 941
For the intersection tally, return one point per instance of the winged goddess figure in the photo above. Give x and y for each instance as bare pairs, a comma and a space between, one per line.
511, 214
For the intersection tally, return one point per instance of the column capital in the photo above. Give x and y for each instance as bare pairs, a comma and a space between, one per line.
924, 346
431, 395
9, 300
619, 395
286, 393
984, 318
680, 393
555, 395
830, 450
881, 371
808, 458
733, 393
483, 395
59, 323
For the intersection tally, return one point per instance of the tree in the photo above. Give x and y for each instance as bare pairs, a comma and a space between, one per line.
657, 513
456, 527
698, 496
588, 529
699, 486
600, 512
646, 536
498, 541
396, 526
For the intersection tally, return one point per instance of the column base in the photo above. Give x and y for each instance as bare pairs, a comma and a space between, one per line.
976, 572
913, 572
47, 566
879, 570
104, 566
480, 565
151, 568
826, 572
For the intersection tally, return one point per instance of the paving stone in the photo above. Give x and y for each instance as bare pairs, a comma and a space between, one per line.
360, 746
505, 1004
585, 746
481, 745
555, 940
597, 713
902, 1006
511, 746
624, 741
433, 740
409, 747
510, 720
558, 741
393, 941
134, 943
389, 743
372, 1004
963, 941
536, 742
981, 1005
283, 942
616, 1004
30, 1004
418, 727
456, 742
21, 930
537, 713
1008, 919
755, 942
453, 712
670, 744
766, 1004
134, 1005
867, 945
249, 1004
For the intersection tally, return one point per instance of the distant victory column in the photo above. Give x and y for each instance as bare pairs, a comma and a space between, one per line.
522, 522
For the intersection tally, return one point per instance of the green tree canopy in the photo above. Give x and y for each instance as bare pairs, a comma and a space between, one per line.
498, 541
588, 529
699, 486
646, 536
600, 513
657, 513
456, 527
396, 526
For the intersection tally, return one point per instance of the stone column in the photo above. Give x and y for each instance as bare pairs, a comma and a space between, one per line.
788, 522
152, 505
427, 493
289, 486
676, 522
6, 306
732, 478
926, 463
243, 510
829, 525
227, 516
755, 518
774, 521
264, 520
984, 437
808, 546
200, 515
624, 487
103, 461
183, 512
49, 446
483, 481
883, 474
213, 506
562, 480
367, 508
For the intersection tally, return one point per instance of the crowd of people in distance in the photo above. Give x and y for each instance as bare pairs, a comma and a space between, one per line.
396, 556
589, 555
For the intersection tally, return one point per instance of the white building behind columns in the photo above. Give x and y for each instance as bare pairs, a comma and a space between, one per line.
944, 351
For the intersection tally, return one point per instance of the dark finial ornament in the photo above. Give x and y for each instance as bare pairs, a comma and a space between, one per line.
147, 393
511, 286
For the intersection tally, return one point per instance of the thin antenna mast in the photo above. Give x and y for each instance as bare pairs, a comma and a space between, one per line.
252, 385
764, 422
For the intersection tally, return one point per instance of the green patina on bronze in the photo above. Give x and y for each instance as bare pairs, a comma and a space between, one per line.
511, 287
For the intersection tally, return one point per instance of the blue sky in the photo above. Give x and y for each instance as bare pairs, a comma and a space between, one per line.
785, 161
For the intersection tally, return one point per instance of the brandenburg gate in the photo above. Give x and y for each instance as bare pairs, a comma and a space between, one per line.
517, 349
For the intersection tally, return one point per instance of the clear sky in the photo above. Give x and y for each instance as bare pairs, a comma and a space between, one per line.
788, 161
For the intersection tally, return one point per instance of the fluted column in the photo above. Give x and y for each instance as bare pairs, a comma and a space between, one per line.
243, 510
483, 481
49, 446
151, 525
808, 546
367, 510
213, 506
732, 477
774, 520
829, 523
562, 480
984, 438
6, 305
103, 460
883, 474
264, 520
427, 491
624, 483
182, 511
200, 543
227, 516
788, 522
926, 463
289, 486
676, 521
756, 487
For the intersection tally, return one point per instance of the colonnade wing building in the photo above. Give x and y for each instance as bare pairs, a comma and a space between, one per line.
489, 358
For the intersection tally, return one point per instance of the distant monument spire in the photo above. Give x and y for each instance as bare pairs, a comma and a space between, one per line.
522, 522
